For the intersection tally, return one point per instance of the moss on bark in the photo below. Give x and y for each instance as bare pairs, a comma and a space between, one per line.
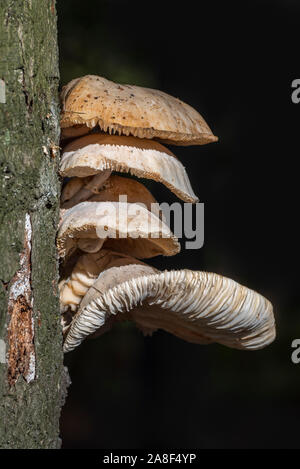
29, 135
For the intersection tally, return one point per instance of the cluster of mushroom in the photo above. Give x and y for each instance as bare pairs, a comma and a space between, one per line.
109, 128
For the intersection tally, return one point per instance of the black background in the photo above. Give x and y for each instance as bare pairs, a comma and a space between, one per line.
234, 62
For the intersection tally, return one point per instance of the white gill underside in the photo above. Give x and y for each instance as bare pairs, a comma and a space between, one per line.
145, 163
205, 306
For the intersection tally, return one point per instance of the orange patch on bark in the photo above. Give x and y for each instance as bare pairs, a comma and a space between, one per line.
20, 331
20, 340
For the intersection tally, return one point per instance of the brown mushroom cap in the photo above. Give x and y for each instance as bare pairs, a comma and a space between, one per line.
132, 110
199, 307
127, 228
143, 158
111, 190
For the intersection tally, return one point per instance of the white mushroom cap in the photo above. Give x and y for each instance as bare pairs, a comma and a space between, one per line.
132, 110
82, 277
199, 307
143, 158
131, 229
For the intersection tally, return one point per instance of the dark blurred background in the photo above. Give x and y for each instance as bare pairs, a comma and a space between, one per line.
234, 62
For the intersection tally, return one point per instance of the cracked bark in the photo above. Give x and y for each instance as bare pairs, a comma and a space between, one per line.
32, 377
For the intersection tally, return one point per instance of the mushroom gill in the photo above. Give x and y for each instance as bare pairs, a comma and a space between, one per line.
96, 153
76, 279
198, 307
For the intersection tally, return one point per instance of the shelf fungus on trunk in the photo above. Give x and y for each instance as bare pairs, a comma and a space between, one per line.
97, 153
92, 101
198, 307
102, 236
129, 226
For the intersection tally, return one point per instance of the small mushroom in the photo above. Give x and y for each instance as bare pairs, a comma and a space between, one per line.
72, 187
111, 190
143, 158
131, 110
131, 227
198, 307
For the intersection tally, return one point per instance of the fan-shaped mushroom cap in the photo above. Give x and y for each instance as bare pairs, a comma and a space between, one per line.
132, 110
131, 229
199, 307
143, 158
111, 190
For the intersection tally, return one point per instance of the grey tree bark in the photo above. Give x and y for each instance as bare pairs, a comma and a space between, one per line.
31, 361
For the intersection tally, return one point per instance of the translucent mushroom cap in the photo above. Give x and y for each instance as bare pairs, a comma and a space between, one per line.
126, 227
131, 110
96, 153
198, 307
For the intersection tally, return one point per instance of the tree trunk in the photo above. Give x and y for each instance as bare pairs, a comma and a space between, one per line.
31, 361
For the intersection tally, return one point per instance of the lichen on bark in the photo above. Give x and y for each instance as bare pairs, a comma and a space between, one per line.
30, 187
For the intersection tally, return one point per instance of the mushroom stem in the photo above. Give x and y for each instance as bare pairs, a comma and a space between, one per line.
89, 187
